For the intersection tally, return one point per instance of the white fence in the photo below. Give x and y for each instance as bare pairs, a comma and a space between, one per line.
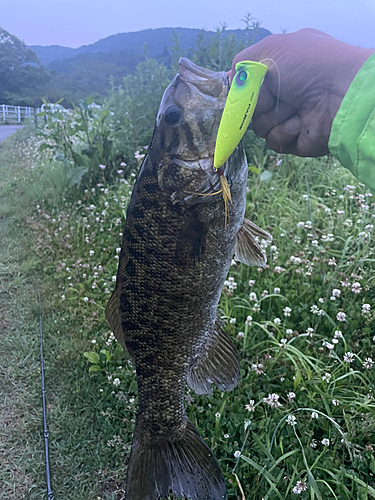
16, 114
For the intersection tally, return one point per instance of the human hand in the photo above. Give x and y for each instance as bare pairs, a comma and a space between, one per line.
308, 76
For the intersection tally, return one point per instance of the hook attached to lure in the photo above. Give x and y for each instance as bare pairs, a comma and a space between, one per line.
238, 111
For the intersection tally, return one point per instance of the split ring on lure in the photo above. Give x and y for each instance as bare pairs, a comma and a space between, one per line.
238, 111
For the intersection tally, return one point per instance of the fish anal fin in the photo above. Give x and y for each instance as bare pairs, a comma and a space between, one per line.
218, 365
247, 249
185, 468
113, 317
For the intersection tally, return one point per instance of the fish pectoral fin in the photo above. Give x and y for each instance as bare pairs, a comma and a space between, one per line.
218, 365
185, 467
247, 249
113, 317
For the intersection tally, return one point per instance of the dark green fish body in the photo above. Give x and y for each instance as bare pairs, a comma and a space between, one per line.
175, 255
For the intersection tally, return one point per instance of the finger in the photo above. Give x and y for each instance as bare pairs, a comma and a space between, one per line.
263, 123
283, 137
266, 101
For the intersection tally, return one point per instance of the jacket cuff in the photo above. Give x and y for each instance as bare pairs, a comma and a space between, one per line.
352, 138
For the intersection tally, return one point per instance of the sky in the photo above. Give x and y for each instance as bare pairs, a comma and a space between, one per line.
73, 23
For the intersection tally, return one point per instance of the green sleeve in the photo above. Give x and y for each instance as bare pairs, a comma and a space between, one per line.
352, 138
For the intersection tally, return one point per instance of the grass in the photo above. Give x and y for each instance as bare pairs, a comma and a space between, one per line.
301, 422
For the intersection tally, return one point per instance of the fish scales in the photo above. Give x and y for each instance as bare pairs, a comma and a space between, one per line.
175, 255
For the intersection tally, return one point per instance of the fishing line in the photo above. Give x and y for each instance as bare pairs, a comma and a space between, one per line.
48, 476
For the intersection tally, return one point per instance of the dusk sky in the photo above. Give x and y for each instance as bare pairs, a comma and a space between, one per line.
73, 23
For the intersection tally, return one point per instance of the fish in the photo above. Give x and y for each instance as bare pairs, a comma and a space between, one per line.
176, 251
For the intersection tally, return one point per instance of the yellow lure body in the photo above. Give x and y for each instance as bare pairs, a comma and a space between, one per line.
239, 108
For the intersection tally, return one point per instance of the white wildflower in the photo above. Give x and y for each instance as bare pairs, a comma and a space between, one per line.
291, 420
299, 487
116, 381
237, 454
314, 415
366, 308
348, 357
291, 396
287, 311
277, 321
325, 442
341, 316
368, 363
272, 400
250, 406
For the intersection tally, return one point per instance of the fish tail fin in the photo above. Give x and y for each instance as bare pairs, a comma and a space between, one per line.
183, 468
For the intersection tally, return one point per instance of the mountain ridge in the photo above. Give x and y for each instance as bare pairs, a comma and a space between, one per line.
157, 40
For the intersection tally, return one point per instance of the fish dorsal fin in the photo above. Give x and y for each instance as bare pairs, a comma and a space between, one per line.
218, 365
247, 249
113, 317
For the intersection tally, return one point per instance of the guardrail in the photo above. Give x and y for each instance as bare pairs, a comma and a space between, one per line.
16, 114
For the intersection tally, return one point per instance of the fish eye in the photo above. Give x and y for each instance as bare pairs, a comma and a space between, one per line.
241, 77
172, 114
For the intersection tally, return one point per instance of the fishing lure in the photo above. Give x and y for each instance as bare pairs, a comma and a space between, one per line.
237, 114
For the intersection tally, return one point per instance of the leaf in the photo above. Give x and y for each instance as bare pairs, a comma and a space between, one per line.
44, 146
92, 356
254, 169
95, 368
265, 176
75, 175
107, 354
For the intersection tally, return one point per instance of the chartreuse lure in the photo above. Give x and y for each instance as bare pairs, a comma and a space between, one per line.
237, 114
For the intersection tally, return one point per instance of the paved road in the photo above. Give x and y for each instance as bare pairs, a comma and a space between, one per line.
6, 130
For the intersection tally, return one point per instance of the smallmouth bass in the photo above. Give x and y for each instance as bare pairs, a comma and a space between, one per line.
176, 252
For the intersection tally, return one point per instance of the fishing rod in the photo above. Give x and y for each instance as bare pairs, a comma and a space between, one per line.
48, 476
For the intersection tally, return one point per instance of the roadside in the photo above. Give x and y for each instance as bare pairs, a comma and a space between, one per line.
7, 130
18, 399
84, 463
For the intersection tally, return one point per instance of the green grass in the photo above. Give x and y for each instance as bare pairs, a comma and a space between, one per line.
71, 247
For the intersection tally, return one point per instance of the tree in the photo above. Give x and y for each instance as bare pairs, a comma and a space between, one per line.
22, 77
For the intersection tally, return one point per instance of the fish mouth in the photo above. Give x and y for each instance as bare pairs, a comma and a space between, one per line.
191, 72
211, 83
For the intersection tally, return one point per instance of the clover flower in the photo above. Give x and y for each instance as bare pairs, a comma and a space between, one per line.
299, 487
272, 400
368, 363
287, 311
341, 316
291, 420
348, 357
250, 407
366, 308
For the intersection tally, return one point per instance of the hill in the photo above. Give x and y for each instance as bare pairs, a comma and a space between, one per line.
157, 41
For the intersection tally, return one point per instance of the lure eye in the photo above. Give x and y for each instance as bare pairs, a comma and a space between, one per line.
241, 78
172, 114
